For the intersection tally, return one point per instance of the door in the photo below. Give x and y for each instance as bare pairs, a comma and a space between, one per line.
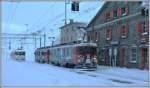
107, 60
113, 53
122, 57
144, 58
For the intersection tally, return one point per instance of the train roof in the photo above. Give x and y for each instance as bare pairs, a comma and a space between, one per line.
70, 44
18, 50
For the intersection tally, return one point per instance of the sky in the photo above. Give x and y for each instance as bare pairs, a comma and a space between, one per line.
48, 17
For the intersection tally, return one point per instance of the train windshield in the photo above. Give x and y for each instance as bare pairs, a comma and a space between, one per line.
20, 53
84, 50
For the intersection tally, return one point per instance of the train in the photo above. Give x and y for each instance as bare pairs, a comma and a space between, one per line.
18, 55
80, 55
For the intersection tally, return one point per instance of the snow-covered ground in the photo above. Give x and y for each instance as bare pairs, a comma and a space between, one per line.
29, 73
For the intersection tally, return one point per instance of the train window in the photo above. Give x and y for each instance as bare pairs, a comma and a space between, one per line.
23, 53
42, 53
64, 51
86, 50
16, 53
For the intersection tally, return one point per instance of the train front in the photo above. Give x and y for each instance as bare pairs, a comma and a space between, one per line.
86, 55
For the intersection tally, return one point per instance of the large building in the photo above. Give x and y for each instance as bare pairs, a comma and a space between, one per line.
121, 31
73, 31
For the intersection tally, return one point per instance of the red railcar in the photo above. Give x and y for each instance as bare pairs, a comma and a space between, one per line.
69, 55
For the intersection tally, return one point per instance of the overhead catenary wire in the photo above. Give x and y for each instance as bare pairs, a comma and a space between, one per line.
38, 21
12, 15
54, 21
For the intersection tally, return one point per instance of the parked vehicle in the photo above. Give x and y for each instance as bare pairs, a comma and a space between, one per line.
68, 55
18, 55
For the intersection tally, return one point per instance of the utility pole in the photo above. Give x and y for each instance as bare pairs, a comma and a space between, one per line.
9, 44
44, 37
39, 32
52, 40
40, 42
26, 27
35, 41
34, 38
65, 12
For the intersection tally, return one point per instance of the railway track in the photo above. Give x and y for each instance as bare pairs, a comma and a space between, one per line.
113, 78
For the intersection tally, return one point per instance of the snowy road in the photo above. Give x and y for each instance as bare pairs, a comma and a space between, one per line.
29, 73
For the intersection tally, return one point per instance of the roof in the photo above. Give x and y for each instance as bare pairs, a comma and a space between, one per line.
75, 23
97, 14
66, 44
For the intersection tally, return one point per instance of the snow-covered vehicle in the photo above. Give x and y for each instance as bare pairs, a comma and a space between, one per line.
68, 55
18, 55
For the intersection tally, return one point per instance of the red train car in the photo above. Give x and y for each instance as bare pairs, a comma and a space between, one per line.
68, 55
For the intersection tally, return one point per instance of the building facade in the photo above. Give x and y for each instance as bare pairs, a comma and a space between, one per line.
74, 31
121, 31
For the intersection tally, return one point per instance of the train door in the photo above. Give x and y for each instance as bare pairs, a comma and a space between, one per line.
47, 56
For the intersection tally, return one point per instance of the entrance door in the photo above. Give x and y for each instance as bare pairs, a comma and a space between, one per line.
122, 57
106, 53
113, 56
144, 58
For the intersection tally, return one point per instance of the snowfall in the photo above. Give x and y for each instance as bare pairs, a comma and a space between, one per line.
30, 73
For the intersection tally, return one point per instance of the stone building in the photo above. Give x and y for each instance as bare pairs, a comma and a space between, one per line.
121, 31
74, 31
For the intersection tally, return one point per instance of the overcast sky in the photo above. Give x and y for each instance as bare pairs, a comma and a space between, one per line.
43, 15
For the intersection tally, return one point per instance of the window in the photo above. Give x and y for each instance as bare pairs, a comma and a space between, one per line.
108, 34
96, 36
123, 9
124, 31
92, 36
64, 52
115, 13
133, 55
102, 54
142, 27
108, 16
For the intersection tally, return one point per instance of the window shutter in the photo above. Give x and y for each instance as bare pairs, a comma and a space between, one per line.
110, 33
127, 29
120, 29
92, 36
112, 14
139, 27
105, 18
148, 26
127, 10
119, 12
